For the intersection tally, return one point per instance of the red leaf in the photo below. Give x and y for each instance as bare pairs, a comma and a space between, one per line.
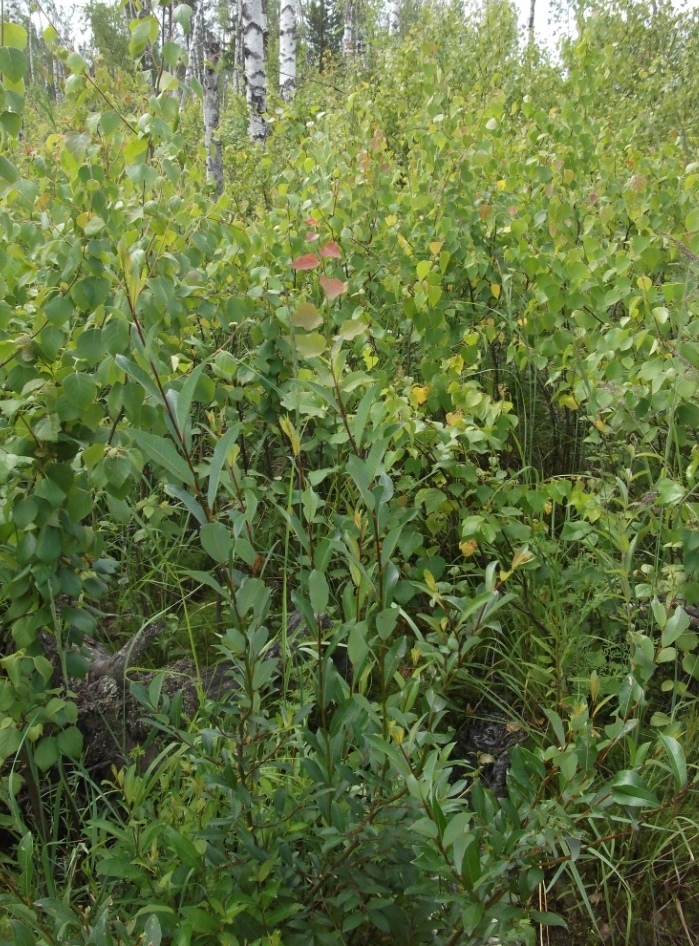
332, 287
331, 251
309, 261
311, 237
311, 221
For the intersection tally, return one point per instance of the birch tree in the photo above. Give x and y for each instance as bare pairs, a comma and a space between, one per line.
214, 158
393, 12
349, 32
255, 72
288, 32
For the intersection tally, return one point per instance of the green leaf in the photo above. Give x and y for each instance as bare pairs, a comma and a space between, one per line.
143, 31
76, 64
318, 591
12, 123
8, 172
180, 402
310, 346
628, 788
216, 541
678, 764
182, 15
138, 374
80, 390
10, 740
306, 316
160, 451
14, 35
675, 627
188, 501
218, 460
70, 742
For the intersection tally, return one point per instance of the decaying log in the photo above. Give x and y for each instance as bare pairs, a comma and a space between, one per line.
112, 721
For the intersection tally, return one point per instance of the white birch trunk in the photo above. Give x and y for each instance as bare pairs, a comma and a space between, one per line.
530, 25
255, 73
393, 11
287, 49
349, 39
214, 158
238, 58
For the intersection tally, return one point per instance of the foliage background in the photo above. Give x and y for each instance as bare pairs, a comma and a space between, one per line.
428, 367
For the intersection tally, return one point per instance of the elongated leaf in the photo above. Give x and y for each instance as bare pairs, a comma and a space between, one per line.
180, 402
628, 788
677, 760
138, 374
161, 451
188, 501
218, 460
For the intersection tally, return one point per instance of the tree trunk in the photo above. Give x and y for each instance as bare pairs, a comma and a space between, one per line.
349, 38
530, 25
238, 58
393, 11
214, 159
255, 73
287, 50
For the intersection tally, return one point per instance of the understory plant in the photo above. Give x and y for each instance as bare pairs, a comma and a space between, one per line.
401, 430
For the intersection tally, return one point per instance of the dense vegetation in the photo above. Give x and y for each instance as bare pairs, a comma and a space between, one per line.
426, 373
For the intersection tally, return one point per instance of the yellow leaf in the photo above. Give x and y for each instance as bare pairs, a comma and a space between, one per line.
468, 548
290, 431
547, 508
454, 418
600, 425
418, 395
495, 289
521, 557
391, 220
502, 185
644, 283
569, 401
435, 248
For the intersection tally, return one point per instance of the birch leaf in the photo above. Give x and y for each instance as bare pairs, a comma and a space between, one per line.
331, 251
332, 287
307, 261
308, 346
306, 316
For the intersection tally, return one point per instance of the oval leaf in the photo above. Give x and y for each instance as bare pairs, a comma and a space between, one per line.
13, 63
332, 287
216, 541
308, 261
309, 346
306, 316
350, 329
331, 251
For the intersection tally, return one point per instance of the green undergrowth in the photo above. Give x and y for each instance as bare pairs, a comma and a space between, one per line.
427, 374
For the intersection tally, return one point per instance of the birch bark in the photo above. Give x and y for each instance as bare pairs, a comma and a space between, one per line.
214, 157
255, 73
393, 11
349, 38
287, 49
